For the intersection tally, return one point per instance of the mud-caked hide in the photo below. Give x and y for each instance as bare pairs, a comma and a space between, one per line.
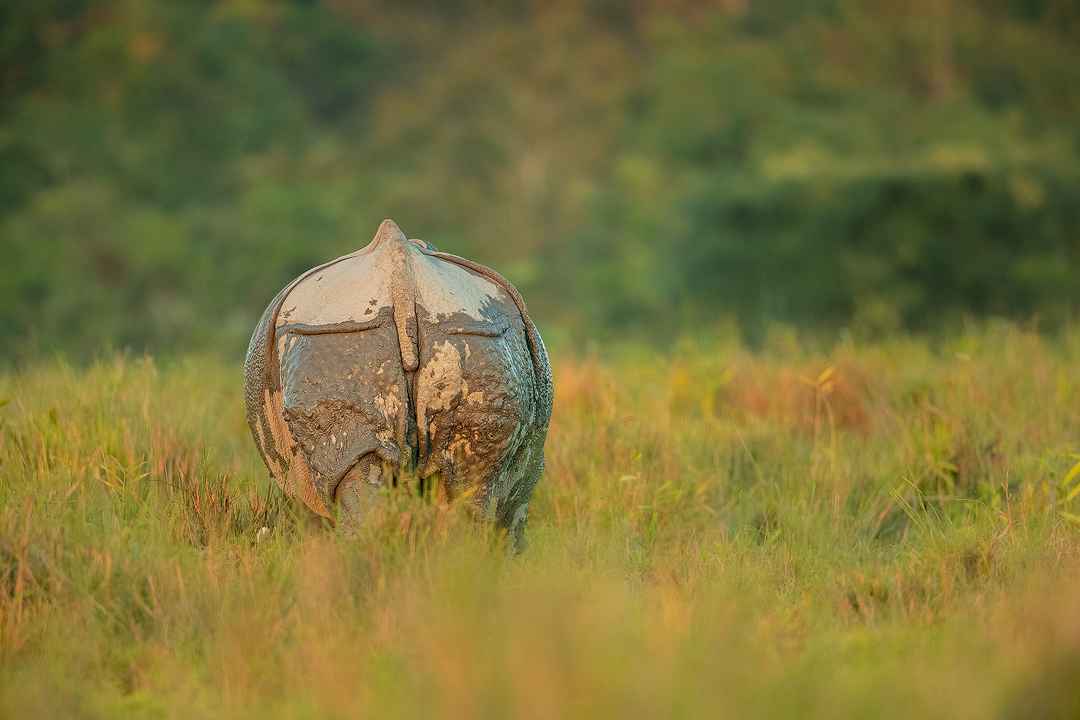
400, 360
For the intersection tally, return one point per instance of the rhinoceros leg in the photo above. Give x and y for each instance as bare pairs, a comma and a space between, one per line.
358, 492
511, 511
264, 406
345, 397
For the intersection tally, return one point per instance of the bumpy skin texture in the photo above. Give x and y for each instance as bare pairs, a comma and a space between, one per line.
400, 361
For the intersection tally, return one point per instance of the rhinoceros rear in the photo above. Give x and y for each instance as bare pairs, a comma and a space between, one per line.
398, 360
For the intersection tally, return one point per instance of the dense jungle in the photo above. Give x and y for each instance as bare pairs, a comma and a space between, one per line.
638, 169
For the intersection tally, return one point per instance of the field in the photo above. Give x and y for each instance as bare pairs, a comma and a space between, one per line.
881, 530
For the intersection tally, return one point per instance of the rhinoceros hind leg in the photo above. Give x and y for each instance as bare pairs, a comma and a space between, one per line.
512, 511
358, 492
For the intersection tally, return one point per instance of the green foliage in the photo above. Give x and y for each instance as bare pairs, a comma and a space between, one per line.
873, 531
166, 167
137, 158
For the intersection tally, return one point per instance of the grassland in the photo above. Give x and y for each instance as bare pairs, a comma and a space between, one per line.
882, 531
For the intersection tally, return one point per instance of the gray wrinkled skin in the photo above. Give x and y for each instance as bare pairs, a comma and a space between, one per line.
400, 361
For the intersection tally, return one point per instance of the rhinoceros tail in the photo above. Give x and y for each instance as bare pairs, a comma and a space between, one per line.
403, 291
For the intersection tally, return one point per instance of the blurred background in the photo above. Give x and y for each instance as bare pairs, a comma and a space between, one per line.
638, 168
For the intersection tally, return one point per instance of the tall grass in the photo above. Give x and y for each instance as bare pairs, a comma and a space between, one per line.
879, 531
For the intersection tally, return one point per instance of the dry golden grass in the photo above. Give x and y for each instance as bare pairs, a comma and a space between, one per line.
880, 531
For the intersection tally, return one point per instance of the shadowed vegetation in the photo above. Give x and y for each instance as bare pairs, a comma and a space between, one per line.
884, 530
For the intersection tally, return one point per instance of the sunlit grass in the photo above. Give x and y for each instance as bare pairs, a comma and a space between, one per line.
880, 531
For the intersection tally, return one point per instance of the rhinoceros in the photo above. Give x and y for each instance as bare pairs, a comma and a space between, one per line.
399, 361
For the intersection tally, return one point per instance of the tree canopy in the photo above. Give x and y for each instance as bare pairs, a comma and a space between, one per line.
166, 166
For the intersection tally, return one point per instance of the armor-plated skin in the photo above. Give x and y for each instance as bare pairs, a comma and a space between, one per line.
400, 360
